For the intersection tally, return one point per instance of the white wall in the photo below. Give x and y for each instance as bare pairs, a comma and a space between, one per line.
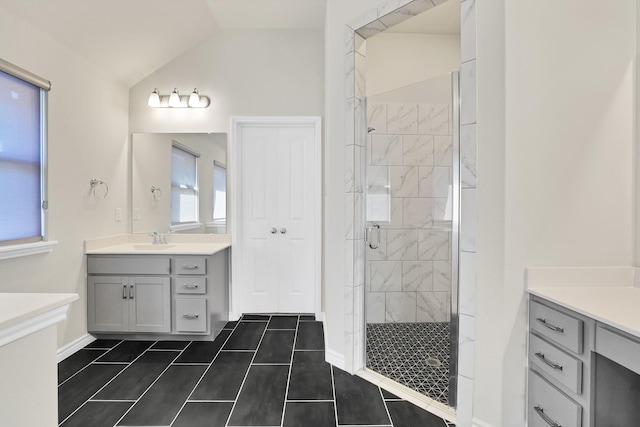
555, 167
87, 139
395, 60
243, 72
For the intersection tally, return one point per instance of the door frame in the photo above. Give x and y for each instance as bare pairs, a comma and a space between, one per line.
234, 176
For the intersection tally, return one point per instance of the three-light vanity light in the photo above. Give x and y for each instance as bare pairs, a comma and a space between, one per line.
175, 100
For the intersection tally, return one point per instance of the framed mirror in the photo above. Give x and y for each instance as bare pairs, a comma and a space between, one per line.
178, 183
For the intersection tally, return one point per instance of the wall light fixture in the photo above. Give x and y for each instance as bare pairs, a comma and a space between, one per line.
175, 100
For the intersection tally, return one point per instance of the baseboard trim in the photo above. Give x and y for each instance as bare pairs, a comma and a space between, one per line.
75, 345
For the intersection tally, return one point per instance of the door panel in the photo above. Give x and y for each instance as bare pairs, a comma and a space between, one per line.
108, 305
259, 216
150, 306
278, 200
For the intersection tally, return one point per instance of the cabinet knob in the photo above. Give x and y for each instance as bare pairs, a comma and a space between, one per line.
274, 230
283, 230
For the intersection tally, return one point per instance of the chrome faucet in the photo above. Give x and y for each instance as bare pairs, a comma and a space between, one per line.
156, 238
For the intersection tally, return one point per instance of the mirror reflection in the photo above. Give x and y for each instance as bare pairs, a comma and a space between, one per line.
179, 183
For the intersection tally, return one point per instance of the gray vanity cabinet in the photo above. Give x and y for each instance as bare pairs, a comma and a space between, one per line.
128, 304
560, 345
170, 295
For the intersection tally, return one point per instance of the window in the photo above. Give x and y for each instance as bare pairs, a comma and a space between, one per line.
23, 99
219, 193
184, 185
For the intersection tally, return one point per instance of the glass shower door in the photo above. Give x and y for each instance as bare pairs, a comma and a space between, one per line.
411, 210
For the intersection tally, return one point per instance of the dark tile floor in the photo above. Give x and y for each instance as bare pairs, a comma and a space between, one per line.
260, 371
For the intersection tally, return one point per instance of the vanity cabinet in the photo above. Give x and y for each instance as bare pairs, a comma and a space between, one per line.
129, 304
560, 345
173, 295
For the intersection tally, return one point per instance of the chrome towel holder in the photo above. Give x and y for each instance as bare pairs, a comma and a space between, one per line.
95, 183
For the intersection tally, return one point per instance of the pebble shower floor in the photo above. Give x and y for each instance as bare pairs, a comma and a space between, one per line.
415, 355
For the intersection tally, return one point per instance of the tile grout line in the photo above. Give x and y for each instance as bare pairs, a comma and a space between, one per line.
286, 390
127, 365
204, 373
384, 402
247, 373
151, 385
335, 400
84, 367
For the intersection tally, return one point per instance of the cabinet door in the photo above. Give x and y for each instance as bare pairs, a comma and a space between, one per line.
149, 304
108, 304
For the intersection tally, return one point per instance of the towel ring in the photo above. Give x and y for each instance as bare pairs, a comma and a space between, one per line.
157, 193
95, 184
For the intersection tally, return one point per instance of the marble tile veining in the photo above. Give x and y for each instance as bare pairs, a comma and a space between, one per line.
402, 244
402, 119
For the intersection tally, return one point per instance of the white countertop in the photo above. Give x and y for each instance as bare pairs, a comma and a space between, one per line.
18, 307
177, 244
606, 294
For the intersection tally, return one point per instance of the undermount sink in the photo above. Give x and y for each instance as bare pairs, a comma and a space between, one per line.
152, 247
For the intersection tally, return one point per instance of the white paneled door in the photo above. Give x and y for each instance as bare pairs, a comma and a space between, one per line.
276, 232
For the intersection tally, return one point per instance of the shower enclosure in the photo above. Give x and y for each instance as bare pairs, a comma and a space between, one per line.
412, 213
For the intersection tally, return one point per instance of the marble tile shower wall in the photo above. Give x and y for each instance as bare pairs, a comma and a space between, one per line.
409, 157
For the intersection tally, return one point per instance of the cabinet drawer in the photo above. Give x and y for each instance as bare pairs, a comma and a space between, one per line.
191, 265
128, 265
558, 327
547, 405
559, 365
191, 285
191, 315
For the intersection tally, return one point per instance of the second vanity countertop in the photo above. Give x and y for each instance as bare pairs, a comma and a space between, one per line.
140, 244
610, 295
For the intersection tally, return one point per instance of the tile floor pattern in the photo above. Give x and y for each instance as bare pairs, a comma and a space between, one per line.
259, 371
413, 354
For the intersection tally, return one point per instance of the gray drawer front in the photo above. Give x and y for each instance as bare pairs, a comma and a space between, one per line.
556, 326
191, 315
128, 265
550, 403
191, 285
191, 265
559, 365
619, 348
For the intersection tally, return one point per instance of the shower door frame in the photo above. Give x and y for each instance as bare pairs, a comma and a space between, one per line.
353, 360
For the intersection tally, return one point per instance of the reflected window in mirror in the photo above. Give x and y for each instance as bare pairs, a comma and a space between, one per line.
184, 185
219, 193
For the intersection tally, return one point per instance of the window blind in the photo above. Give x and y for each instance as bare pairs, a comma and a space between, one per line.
184, 186
20, 161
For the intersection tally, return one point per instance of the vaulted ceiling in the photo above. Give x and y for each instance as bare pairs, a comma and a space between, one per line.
130, 39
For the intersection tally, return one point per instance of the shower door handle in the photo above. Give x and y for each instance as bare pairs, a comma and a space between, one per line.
369, 233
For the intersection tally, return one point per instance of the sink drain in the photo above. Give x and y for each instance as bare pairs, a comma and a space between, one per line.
433, 362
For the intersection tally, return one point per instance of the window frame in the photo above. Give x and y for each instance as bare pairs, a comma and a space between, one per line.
37, 244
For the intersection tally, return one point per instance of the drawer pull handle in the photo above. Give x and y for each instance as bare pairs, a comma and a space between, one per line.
130, 291
190, 316
190, 266
185, 285
554, 365
124, 292
549, 325
540, 410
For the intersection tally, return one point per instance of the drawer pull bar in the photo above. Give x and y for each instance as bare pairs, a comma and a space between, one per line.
554, 365
130, 291
190, 266
190, 316
124, 291
184, 285
540, 410
549, 325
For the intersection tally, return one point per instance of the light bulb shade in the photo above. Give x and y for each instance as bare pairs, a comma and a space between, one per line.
154, 99
174, 98
194, 99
